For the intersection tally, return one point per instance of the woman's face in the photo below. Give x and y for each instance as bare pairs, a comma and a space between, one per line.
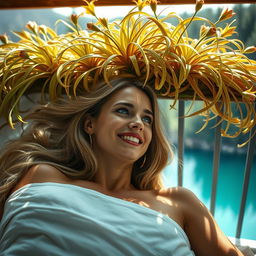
123, 130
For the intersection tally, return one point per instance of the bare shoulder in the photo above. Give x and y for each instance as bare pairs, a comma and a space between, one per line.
190, 204
184, 199
204, 234
42, 173
180, 194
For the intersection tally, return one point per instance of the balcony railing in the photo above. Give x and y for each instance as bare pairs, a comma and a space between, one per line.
215, 169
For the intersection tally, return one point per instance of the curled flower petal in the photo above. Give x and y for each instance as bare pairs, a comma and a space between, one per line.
31, 25
207, 31
103, 22
228, 31
211, 32
90, 7
203, 30
23, 35
250, 49
226, 14
141, 4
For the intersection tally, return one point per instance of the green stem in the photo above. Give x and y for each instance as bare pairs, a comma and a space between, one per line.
186, 27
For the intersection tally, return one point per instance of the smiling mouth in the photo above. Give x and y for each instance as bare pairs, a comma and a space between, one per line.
130, 139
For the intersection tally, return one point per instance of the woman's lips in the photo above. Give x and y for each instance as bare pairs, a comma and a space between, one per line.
131, 138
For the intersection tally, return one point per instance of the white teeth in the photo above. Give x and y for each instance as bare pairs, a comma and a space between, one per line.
130, 138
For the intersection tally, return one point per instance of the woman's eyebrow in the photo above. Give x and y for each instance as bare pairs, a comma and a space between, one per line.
132, 106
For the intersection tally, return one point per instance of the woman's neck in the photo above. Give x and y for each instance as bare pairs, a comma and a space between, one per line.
114, 176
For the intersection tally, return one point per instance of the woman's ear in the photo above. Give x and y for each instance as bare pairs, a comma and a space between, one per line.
88, 125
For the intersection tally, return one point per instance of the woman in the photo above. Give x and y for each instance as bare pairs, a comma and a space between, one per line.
84, 179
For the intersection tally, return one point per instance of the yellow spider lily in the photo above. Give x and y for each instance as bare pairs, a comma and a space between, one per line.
141, 4
226, 14
212, 68
90, 8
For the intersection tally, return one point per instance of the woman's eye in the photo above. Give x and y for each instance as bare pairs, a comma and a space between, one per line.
147, 119
122, 111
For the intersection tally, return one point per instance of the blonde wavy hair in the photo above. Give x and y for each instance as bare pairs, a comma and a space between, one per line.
55, 135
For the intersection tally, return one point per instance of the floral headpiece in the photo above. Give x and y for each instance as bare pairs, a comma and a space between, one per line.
211, 68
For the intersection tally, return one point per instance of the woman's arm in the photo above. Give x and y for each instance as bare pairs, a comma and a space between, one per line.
205, 236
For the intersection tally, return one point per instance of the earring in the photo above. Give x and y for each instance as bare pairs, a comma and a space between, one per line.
90, 139
144, 161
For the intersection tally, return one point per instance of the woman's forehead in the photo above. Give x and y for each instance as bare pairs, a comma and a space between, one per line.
131, 95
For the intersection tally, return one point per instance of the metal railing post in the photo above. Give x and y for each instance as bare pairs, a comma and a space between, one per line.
216, 161
180, 141
248, 167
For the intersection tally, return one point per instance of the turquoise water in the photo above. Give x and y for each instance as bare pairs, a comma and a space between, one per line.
198, 178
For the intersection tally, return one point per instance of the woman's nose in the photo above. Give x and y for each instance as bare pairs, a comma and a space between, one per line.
136, 124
